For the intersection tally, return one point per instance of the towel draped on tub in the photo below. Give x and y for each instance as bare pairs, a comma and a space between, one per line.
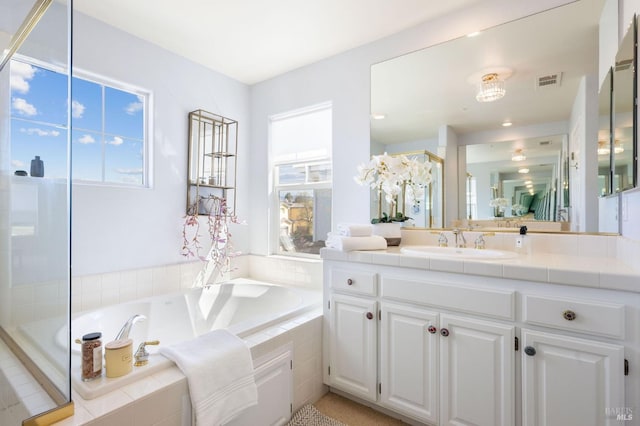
219, 371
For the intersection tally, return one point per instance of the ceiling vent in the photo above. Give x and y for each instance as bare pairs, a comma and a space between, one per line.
549, 80
624, 65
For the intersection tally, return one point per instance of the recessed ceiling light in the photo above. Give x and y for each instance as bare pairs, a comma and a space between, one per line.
378, 116
529, 185
523, 170
527, 182
507, 124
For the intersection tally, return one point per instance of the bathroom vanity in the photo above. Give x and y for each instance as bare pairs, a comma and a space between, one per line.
464, 341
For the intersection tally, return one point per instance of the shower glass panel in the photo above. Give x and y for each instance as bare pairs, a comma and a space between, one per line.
34, 209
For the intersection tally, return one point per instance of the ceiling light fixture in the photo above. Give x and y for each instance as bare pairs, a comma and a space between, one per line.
529, 185
603, 149
527, 182
523, 170
491, 88
618, 148
518, 155
507, 124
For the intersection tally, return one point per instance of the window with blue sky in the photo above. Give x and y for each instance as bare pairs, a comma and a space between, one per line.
108, 126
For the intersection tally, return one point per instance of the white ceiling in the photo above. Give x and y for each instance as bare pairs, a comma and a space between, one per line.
253, 40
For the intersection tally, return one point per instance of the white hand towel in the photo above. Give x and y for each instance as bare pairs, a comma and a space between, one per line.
374, 242
219, 372
354, 230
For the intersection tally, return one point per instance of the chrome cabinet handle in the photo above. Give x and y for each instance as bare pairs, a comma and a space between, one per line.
444, 332
432, 329
569, 315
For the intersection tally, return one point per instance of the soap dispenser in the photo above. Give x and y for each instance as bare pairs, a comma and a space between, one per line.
522, 242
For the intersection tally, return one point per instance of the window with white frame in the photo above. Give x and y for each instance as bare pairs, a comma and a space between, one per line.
109, 123
300, 153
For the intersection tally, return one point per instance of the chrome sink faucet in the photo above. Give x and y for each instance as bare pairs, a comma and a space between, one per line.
126, 328
461, 241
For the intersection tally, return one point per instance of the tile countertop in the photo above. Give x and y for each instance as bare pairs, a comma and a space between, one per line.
585, 271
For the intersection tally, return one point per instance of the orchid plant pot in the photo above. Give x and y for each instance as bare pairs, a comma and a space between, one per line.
390, 231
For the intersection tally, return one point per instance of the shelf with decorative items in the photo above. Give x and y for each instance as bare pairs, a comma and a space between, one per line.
213, 146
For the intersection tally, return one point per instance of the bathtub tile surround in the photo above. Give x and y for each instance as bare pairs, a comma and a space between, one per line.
299, 272
163, 397
99, 290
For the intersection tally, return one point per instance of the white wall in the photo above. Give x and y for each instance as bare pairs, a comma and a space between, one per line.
117, 228
344, 80
583, 163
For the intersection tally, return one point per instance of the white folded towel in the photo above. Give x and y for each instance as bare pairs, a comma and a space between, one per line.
219, 372
339, 242
354, 230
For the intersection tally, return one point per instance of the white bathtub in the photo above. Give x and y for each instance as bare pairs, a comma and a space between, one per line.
242, 306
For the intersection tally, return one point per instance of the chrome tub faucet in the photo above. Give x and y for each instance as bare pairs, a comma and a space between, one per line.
126, 328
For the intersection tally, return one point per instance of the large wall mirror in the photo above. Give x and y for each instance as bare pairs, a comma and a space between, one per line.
536, 66
624, 96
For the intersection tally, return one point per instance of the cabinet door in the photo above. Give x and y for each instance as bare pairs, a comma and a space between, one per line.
352, 345
477, 372
570, 381
408, 361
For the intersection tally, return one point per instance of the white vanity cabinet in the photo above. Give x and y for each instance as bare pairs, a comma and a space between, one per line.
458, 349
429, 360
409, 346
353, 343
422, 349
477, 372
570, 381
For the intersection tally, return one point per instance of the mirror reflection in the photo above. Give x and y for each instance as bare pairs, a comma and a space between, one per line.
604, 136
514, 85
623, 113
523, 178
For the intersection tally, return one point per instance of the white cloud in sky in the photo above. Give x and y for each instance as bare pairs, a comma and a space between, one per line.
77, 109
40, 132
117, 140
23, 107
86, 139
17, 164
133, 107
21, 73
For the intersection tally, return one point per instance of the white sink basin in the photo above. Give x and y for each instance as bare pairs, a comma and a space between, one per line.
458, 253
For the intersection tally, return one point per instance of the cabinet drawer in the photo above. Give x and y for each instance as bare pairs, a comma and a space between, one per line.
606, 319
356, 282
475, 300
